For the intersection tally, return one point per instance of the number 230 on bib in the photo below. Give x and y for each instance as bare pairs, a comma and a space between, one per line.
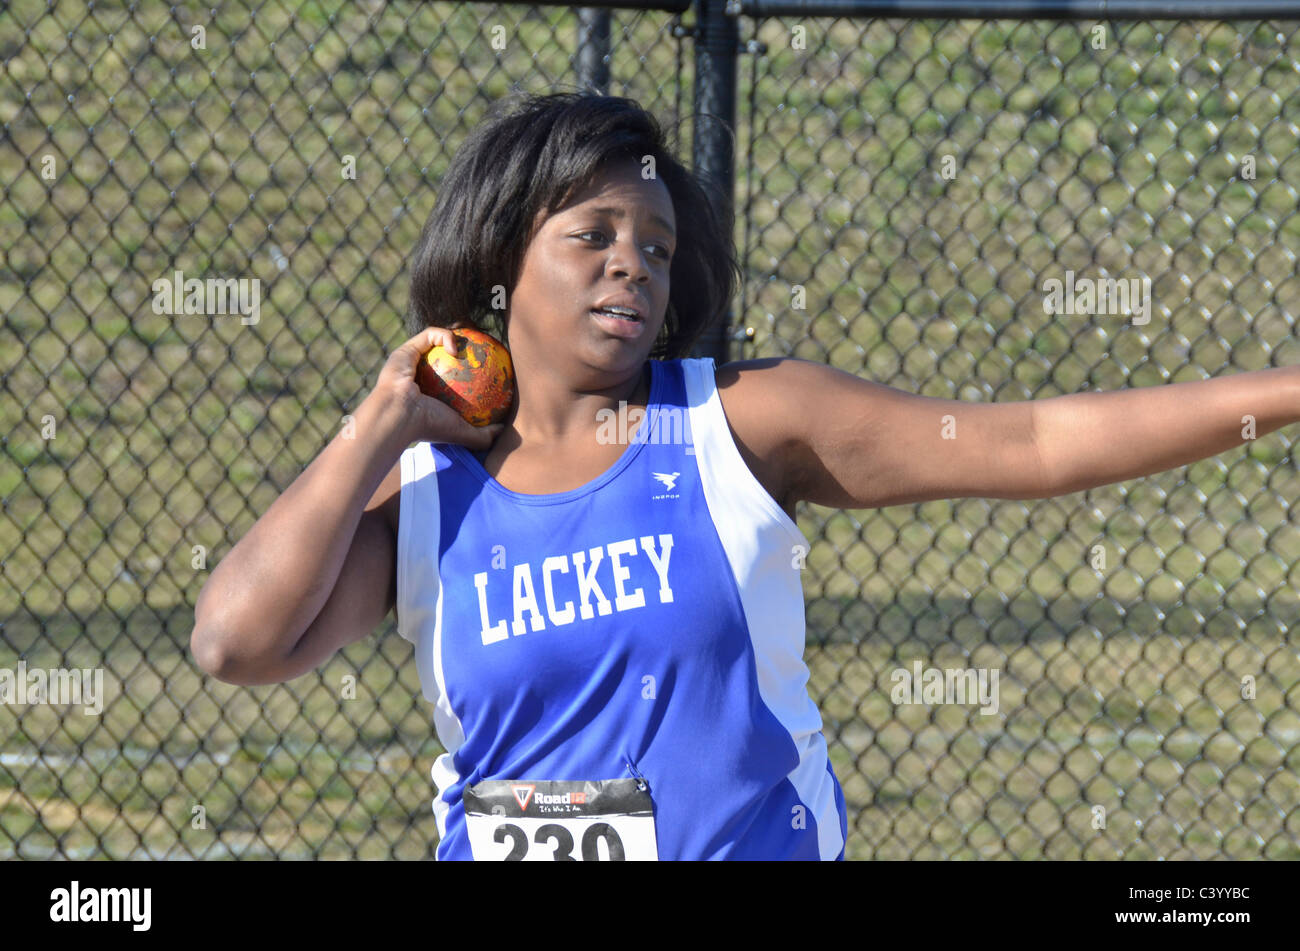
558, 821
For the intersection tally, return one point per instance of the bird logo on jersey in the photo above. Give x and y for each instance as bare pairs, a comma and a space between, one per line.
669, 480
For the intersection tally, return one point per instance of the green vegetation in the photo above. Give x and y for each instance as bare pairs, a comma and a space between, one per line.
1120, 687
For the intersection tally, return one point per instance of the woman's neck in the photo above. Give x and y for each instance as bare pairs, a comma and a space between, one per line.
553, 439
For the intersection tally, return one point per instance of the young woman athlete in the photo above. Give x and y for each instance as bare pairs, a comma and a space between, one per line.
603, 591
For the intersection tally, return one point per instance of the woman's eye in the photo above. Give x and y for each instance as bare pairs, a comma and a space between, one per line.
663, 251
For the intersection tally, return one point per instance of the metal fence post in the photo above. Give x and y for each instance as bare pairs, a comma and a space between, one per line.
593, 49
716, 42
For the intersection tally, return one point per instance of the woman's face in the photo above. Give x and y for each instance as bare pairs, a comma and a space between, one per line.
611, 244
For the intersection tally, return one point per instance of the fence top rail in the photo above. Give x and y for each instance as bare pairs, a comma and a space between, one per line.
976, 9
1027, 9
979, 9
669, 6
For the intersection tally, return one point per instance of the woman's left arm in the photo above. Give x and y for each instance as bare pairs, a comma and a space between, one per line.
1090, 439
845, 442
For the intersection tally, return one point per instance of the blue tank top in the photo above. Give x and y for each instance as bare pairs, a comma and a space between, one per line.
648, 625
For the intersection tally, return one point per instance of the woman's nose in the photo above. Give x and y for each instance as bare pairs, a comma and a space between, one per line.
625, 259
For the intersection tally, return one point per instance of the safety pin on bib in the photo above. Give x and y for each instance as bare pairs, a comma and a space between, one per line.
641, 783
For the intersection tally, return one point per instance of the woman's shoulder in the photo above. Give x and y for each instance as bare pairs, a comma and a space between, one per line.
756, 398
761, 414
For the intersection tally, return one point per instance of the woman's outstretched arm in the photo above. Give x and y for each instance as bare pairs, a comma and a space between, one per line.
1090, 439
846, 442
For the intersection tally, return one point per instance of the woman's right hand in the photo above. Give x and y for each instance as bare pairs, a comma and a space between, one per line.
425, 417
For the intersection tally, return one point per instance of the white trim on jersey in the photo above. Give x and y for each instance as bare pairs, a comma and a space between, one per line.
418, 474
760, 543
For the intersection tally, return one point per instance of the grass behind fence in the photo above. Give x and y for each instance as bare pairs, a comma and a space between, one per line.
1120, 688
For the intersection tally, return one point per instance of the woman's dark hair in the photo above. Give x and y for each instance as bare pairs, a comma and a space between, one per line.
529, 155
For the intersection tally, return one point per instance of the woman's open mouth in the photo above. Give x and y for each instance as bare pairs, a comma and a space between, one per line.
619, 321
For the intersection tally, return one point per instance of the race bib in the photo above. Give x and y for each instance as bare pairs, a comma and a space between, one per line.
554, 821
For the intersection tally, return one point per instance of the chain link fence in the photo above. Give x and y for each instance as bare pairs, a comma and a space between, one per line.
904, 190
